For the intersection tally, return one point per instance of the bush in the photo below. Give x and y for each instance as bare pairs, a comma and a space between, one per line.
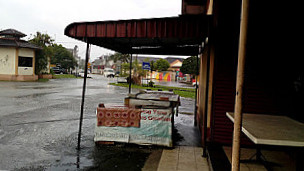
151, 84
52, 72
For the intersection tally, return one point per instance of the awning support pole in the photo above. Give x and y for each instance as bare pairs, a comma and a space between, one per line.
195, 101
206, 100
207, 44
235, 166
130, 76
83, 94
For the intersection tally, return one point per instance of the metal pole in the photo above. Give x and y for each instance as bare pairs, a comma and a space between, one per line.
235, 166
206, 101
208, 42
130, 75
83, 94
195, 101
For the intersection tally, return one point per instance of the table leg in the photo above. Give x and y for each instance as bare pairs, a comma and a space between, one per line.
258, 154
259, 158
299, 160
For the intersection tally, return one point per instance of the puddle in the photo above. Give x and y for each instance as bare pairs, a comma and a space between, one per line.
34, 95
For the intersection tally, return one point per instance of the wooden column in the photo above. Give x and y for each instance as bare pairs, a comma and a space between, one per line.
34, 58
235, 166
16, 61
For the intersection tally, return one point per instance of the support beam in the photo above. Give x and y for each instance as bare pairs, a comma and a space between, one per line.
195, 101
235, 166
130, 75
208, 43
83, 94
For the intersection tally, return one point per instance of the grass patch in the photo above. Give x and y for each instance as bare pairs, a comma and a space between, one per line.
183, 92
60, 76
42, 80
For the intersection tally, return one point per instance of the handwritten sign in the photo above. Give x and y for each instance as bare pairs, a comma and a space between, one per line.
155, 128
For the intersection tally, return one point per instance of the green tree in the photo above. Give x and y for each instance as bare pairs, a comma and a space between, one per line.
189, 66
42, 57
153, 66
63, 57
124, 58
162, 65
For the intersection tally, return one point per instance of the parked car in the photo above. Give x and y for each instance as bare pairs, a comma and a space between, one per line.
108, 72
81, 74
58, 70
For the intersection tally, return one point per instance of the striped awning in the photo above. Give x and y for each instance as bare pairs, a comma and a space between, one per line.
160, 36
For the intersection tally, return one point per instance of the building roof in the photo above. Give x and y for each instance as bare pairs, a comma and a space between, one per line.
12, 32
172, 59
176, 64
17, 43
11, 38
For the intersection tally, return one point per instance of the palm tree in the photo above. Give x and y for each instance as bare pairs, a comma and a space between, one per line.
124, 58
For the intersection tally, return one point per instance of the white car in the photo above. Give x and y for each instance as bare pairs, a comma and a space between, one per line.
108, 72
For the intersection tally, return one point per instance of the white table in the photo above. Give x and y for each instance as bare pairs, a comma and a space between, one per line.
272, 130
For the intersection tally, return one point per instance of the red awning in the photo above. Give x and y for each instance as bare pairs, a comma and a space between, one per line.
161, 36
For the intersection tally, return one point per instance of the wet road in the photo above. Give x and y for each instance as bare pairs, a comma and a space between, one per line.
39, 126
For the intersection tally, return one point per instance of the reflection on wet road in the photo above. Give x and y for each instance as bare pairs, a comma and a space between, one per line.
39, 126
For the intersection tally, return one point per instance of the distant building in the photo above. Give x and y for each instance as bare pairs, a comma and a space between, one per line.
74, 53
175, 65
101, 63
17, 57
97, 65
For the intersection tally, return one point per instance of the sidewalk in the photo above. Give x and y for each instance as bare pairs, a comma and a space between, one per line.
183, 158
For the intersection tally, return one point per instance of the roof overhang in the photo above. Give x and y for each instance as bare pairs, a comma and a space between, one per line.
160, 36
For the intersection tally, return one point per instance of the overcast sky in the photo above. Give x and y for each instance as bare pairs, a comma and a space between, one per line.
51, 17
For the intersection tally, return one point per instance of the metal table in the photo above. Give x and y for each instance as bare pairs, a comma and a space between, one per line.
273, 130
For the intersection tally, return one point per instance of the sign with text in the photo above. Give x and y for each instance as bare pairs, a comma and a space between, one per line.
146, 66
155, 128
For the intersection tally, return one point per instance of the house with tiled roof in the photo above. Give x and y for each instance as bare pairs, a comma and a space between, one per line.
17, 57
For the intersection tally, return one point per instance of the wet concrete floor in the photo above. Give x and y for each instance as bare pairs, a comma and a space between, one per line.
39, 127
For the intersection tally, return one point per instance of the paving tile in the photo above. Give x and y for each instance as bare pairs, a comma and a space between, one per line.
198, 150
204, 168
184, 149
167, 168
183, 158
168, 162
176, 149
186, 156
186, 166
170, 157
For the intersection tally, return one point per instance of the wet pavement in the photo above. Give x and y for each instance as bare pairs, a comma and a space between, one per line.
39, 127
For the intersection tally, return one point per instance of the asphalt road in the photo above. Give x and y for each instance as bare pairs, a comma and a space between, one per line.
39, 126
